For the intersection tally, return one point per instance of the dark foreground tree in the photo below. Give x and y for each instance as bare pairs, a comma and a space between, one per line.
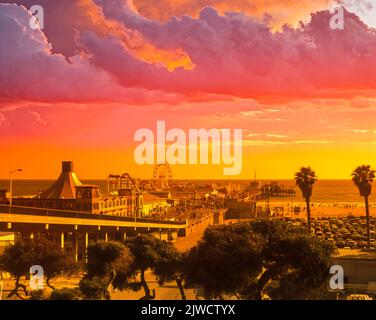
94, 288
109, 263
18, 258
363, 176
170, 266
305, 178
145, 251
66, 294
54, 261
298, 263
225, 261
248, 259
38, 295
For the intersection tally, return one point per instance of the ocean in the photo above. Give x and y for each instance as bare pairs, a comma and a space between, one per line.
325, 191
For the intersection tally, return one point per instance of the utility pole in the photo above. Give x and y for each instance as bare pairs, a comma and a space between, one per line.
11, 187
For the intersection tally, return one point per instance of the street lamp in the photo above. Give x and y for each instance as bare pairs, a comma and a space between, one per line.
11, 186
268, 202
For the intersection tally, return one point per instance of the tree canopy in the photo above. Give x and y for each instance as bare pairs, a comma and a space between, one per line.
305, 178
226, 259
18, 258
170, 265
363, 176
242, 258
148, 252
109, 263
292, 257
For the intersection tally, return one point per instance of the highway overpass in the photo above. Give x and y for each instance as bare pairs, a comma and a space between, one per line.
78, 228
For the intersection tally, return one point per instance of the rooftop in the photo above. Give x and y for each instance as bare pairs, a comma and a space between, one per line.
150, 198
359, 254
65, 186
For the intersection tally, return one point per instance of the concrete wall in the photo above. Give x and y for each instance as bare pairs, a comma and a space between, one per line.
203, 223
358, 271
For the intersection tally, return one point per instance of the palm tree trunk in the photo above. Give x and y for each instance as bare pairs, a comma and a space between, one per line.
308, 216
368, 228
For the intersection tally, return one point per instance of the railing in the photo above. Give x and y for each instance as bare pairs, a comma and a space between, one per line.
78, 215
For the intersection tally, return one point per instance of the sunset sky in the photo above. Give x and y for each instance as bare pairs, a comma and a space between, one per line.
303, 94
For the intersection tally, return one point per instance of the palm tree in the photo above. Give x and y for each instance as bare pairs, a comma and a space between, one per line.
305, 178
363, 177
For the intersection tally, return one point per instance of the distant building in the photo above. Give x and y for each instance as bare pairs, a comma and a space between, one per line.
68, 193
359, 269
153, 204
240, 209
6, 238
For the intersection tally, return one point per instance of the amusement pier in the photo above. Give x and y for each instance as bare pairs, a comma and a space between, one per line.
76, 214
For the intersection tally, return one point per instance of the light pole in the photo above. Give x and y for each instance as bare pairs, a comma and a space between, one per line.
268, 202
11, 186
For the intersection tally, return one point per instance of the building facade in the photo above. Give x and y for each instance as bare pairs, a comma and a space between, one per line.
69, 193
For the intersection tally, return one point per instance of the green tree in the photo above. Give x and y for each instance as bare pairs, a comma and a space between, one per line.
54, 261
66, 294
226, 260
109, 263
305, 178
94, 288
298, 262
242, 259
18, 258
170, 266
38, 295
145, 251
363, 176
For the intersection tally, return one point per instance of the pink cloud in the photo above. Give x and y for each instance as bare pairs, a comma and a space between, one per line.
3, 120
235, 55
38, 118
30, 71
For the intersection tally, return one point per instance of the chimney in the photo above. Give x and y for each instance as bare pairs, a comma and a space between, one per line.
67, 166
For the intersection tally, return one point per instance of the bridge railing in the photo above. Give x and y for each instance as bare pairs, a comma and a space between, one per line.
79, 215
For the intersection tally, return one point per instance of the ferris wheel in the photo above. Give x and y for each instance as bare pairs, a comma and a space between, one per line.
162, 174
